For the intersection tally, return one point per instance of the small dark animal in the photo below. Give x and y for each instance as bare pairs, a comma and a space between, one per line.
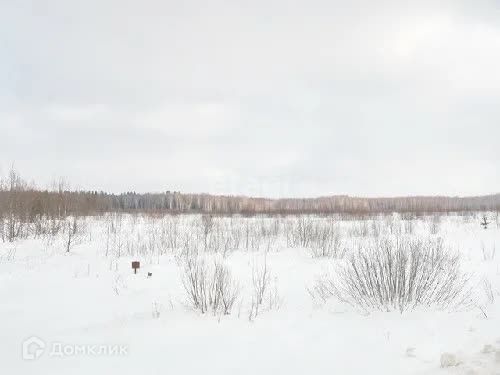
150, 274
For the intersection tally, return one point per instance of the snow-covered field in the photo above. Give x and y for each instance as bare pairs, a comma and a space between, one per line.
86, 312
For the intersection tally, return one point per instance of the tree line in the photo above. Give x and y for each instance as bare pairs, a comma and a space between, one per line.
26, 202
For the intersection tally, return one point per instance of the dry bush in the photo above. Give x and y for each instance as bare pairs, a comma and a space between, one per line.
376, 227
171, 232
9, 255
322, 237
488, 291
261, 276
393, 225
73, 232
359, 229
264, 294
488, 253
398, 274
222, 236
409, 225
209, 287
306, 230
114, 233
435, 224
207, 223
300, 231
119, 284
156, 309
327, 243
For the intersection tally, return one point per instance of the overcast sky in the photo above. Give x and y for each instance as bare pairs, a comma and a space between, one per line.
269, 98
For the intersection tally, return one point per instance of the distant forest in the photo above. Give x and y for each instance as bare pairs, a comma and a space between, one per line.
26, 201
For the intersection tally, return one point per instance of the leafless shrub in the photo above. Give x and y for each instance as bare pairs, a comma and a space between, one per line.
301, 231
207, 223
376, 228
327, 242
209, 287
9, 255
221, 236
274, 300
263, 293
156, 310
409, 226
114, 242
466, 217
118, 284
398, 274
435, 224
236, 231
172, 232
488, 253
393, 225
196, 283
488, 291
225, 289
408, 216
260, 283
359, 229
321, 236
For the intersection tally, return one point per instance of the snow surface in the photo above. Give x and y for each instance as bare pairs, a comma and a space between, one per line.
85, 299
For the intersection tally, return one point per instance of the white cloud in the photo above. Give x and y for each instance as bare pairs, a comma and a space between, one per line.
276, 97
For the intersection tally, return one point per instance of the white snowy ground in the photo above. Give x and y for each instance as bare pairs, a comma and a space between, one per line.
85, 302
